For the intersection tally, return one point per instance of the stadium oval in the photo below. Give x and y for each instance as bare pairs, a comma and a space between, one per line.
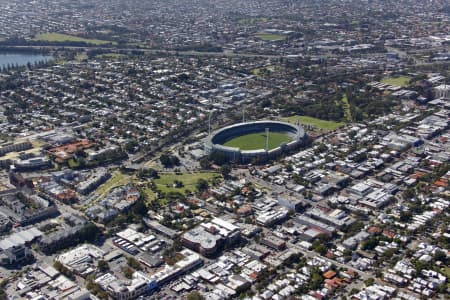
215, 142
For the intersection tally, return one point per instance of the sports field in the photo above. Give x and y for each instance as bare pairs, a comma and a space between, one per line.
398, 81
256, 141
271, 37
59, 37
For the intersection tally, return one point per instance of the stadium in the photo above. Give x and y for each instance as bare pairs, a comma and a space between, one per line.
255, 141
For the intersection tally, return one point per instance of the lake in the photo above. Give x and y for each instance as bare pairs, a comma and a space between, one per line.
22, 59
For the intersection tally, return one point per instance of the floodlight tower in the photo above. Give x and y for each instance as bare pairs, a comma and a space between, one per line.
209, 122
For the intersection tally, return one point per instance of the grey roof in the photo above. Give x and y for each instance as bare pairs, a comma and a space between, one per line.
200, 236
20, 238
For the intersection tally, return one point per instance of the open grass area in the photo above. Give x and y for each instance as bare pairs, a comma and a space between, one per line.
166, 180
82, 56
256, 71
73, 164
165, 183
36, 150
252, 20
59, 37
447, 272
60, 61
255, 141
271, 37
110, 56
149, 194
346, 106
117, 179
264, 70
318, 123
397, 81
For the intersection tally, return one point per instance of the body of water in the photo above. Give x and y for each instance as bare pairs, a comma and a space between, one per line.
22, 59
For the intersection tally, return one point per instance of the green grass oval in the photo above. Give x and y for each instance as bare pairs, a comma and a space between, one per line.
254, 141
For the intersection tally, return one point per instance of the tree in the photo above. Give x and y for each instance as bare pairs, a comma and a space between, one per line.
370, 281
80, 153
370, 243
96, 289
131, 146
102, 266
293, 259
353, 229
321, 249
389, 253
147, 173
440, 256
225, 170
127, 272
205, 163
178, 184
175, 197
63, 269
218, 158
139, 208
89, 232
165, 160
321, 244
169, 161
202, 185
321, 148
409, 194
3, 295
316, 281
323, 238
170, 253
195, 296
133, 263
352, 134
265, 103
175, 160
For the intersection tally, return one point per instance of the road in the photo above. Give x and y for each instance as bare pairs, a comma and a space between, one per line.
158, 51
279, 189
225, 53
